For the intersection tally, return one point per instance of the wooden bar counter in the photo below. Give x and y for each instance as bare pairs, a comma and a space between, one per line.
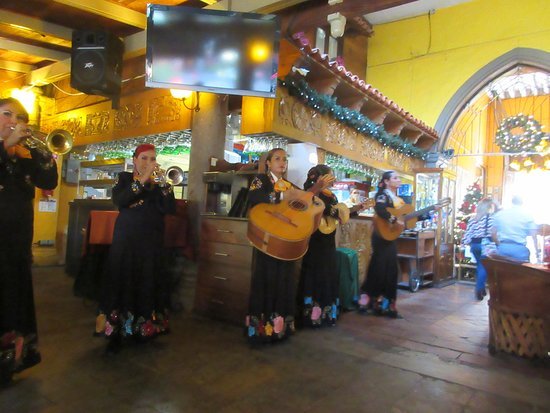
519, 308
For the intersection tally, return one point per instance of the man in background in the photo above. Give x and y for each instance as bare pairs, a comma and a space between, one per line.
511, 227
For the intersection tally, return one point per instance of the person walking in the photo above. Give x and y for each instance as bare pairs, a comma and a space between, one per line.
478, 231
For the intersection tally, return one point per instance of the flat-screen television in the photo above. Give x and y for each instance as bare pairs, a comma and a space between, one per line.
212, 50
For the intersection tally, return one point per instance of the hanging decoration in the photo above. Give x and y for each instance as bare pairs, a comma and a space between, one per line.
530, 162
530, 139
325, 104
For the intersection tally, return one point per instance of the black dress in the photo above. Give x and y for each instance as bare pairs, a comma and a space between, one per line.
18, 178
135, 293
381, 282
319, 283
272, 290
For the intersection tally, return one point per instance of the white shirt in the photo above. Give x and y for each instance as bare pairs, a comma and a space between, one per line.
514, 224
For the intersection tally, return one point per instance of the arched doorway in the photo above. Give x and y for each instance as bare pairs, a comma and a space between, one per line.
516, 83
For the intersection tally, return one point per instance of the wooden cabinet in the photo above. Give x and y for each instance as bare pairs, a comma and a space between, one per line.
416, 257
225, 263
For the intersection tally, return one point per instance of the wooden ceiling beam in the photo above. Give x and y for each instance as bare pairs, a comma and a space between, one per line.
309, 15
37, 51
35, 25
15, 67
109, 10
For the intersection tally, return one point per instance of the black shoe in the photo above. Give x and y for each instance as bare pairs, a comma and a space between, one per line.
31, 358
393, 314
7, 366
113, 346
484, 292
479, 295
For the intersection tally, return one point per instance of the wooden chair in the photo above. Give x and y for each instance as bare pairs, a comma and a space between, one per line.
519, 308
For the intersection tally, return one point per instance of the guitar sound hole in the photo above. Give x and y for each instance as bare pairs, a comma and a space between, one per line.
297, 205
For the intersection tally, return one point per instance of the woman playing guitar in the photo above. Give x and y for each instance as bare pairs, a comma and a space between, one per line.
319, 283
272, 291
379, 290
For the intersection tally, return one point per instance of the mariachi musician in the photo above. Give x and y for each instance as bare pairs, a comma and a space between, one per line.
135, 295
379, 290
272, 291
21, 170
319, 281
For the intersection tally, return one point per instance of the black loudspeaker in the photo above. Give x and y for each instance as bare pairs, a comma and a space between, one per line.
96, 63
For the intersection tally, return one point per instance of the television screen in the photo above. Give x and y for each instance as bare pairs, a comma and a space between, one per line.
211, 50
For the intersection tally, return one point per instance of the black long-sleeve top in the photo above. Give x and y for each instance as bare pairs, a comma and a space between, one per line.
128, 193
262, 191
19, 176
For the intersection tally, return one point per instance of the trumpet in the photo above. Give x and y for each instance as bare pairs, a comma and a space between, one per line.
58, 141
172, 176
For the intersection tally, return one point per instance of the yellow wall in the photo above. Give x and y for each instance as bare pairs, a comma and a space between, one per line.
45, 223
421, 72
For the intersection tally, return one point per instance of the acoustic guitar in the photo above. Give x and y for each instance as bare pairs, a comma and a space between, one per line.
283, 230
407, 215
329, 224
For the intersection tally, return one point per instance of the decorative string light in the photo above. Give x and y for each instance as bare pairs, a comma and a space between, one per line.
327, 105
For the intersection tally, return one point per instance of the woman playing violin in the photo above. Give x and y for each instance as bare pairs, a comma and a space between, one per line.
134, 298
21, 170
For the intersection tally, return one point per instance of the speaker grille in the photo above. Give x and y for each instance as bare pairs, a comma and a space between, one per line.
89, 67
96, 62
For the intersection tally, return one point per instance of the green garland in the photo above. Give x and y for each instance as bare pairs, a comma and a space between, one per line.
529, 141
327, 105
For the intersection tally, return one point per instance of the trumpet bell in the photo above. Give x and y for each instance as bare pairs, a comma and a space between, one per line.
59, 141
174, 175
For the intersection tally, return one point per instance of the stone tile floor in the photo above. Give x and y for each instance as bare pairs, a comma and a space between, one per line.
435, 359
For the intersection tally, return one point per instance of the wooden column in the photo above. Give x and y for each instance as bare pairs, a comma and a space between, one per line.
208, 139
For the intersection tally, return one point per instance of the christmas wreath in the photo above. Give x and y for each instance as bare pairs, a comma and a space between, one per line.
532, 139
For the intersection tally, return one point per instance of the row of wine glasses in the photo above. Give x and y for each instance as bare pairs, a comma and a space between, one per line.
259, 145
348, 166
175, 143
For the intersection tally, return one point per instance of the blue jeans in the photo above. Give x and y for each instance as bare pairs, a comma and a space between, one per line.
481, 277
515, 251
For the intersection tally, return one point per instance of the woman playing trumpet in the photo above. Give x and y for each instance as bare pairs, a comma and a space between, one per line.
135, 295
21, 170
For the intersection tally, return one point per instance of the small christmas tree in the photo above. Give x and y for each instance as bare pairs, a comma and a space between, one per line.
466, 211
